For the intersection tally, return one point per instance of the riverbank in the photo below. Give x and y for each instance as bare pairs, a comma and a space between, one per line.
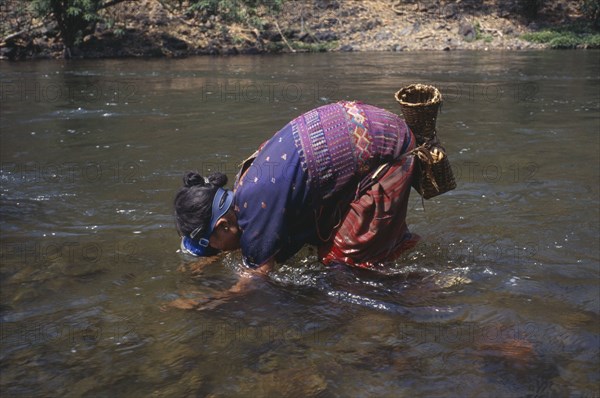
152, 28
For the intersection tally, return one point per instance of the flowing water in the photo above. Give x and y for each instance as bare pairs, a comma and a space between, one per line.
500, 298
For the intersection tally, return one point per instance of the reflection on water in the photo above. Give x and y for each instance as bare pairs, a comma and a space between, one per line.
499, 299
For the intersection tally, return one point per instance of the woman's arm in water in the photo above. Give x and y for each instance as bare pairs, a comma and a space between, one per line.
243, 285
197, 267
247, 279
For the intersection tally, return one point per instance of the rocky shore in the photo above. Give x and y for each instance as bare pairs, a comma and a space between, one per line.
152, 28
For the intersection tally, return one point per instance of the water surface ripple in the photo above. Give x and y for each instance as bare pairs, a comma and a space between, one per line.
499, 299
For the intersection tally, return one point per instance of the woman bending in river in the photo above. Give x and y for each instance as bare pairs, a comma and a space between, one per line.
333, 177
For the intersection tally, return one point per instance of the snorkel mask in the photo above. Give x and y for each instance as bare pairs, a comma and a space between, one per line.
221, 203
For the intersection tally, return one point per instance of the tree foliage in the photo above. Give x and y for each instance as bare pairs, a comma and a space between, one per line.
74, 17
591, 10
233, 10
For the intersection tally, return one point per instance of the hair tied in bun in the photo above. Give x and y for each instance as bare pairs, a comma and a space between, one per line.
192, 178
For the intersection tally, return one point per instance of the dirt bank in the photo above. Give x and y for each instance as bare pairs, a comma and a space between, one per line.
151, 28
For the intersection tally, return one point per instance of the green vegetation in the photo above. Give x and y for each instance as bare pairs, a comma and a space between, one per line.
74, 17
584, 33
591, 10
241, 11
314, 47
567, 37
479, 35
247, 12
299, 46
242, 23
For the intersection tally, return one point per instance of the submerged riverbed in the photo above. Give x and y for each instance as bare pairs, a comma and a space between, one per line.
499, 299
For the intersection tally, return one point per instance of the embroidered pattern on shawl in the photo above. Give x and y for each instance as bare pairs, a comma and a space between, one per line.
322, 140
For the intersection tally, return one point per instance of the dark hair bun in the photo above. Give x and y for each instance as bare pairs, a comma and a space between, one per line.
192, 178
217, 179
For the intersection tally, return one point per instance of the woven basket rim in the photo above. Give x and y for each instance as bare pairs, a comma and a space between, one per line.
436, 99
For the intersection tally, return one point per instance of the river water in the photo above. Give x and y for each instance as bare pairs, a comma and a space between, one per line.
501, 297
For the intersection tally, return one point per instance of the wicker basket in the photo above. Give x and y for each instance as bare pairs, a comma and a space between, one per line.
432, 177
420, 105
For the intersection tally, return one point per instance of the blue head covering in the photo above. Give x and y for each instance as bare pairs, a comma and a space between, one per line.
188, 246
221, 203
